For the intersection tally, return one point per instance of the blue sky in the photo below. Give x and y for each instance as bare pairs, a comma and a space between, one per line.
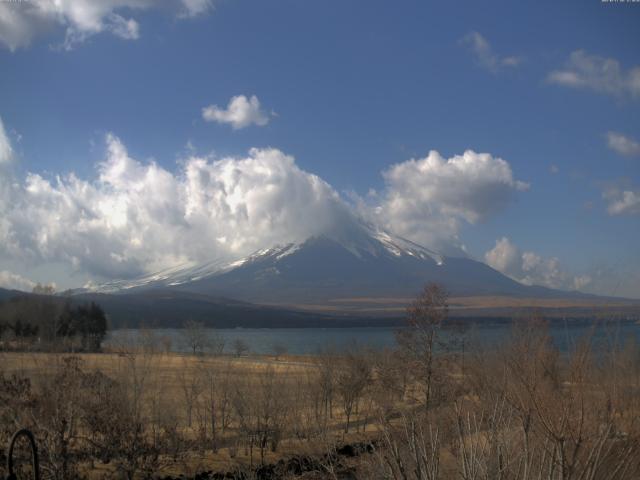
350, 89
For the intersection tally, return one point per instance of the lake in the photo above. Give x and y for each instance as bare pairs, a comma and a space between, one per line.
303, 341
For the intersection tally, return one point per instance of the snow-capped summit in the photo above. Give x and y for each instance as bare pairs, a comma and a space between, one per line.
356, 260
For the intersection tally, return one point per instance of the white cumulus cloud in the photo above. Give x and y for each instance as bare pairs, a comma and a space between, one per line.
623, 145
241, 112
428, 199
21, 22
13, 281
530, 268
622, 199
504, 257
484, 54
599, 74
138, 217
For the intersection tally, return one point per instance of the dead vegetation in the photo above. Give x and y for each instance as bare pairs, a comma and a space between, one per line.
522, 411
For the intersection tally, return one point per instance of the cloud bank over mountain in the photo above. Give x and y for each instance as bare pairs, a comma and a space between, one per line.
428, 200
13, 281
138, 217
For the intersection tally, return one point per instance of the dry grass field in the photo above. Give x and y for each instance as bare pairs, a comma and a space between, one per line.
427, 410
166, 366
228, 413
480, 306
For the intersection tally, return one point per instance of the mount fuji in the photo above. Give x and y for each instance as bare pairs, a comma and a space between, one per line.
356, 261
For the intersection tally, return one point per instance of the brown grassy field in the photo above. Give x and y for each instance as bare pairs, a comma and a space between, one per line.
180, 390
481, 306
520, 411
166, 366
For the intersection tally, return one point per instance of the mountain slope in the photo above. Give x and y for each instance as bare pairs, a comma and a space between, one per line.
6, 294
165, 308
356, 262
168, 308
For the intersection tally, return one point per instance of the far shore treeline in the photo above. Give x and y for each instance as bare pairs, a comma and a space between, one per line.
46, 322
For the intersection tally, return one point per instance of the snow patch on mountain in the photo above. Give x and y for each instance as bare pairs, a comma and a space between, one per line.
362, 242
399, 246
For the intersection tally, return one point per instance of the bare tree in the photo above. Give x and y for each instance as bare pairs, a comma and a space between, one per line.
215, 399
392, 378
353, 376
215, 343
262, 409
326, 361
148, 340
418, 341
240, 347
410, 448
58, 414
191, 386
194, 336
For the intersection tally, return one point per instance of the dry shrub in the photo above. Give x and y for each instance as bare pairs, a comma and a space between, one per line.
518, 411
524, 411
